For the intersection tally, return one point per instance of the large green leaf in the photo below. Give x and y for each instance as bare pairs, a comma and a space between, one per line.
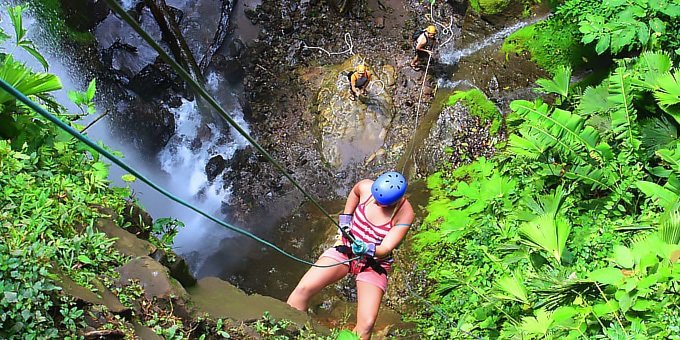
25, 80
594, 100
514, 288
652, 65
672, 157
668, 94
549, 230
657, 133
657, 192
669, 231
559, 84
559, 129
537, 326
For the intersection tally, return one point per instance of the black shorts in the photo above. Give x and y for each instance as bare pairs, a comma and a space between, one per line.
422, 54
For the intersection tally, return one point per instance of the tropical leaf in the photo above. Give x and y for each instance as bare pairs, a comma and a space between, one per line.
25, 80
598, 178
669, 231
537, 326
549, 230
672, 157
558, 129
513, 286
657, 133
663, 195
563, 292
527, 146
559, 84
594, 100
652, 65
624, 114
668, 94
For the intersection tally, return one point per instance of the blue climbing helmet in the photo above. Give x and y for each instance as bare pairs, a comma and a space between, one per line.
389, 188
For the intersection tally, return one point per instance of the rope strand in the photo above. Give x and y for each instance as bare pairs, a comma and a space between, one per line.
115, 6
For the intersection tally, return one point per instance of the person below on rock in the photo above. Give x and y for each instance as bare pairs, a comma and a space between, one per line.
358, 81
378, 216
424, 45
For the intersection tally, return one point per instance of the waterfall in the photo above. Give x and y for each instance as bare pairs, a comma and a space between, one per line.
179, 167
453, 56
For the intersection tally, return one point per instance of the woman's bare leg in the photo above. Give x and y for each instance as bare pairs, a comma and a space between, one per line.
368, 304
314, 280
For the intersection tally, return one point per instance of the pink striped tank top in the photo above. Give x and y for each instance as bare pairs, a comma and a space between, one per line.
365, 230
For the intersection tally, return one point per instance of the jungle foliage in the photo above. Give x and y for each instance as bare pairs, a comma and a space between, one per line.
573, 229
580, 30
50, 184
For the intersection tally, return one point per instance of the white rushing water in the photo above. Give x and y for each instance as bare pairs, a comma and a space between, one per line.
178, 168
452, 56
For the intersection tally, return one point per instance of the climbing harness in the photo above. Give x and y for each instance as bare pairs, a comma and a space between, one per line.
365, 261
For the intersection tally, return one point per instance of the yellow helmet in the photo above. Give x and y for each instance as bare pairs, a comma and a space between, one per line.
361, 68
431, 29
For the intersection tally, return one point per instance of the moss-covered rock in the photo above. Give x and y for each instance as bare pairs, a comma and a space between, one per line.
479, 106
489, 7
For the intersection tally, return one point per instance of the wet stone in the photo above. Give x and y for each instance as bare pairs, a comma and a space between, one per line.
153, 277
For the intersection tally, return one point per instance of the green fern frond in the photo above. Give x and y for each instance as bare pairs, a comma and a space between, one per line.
527, 146
559, 129
624, 114
598, 178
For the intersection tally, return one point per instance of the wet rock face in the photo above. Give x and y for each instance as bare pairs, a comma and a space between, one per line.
215, 166
455, 138
84, 15
145, 125
232, 68
351, 130
154, 80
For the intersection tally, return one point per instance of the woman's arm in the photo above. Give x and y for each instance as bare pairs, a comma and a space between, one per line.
402, 223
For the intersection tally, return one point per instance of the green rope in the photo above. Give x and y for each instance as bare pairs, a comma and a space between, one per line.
20, 96
115, 6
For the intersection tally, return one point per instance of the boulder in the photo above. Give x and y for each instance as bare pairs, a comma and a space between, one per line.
126, 243
221, 299
84, 15
145, 124
153, 277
